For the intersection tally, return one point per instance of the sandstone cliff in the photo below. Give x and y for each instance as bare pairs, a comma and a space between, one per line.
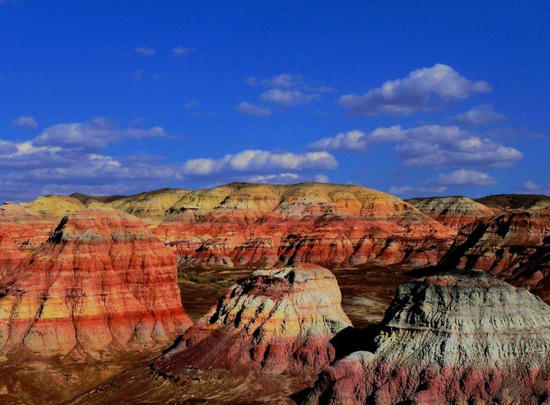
276, 321
10, 255
513, 246
101, 283
453, 212
449, 339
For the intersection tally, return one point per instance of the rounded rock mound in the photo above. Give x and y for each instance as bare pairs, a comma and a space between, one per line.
460, 337
101, 283
276, 321
453, 212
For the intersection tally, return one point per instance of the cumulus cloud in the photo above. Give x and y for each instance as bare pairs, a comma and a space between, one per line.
260, 161
480, 115
253, 109
181, 51
95, 134
145, 51
287, 90
465, 177
354, 140
421, 90
428, 146
287, 98
25, 122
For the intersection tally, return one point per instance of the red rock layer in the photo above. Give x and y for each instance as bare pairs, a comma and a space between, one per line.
249, 225
10, 255
453, 212
514, 246
449, 339
275, 321
101, 283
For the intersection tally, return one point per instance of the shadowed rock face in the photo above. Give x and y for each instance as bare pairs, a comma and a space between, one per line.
276, 321
250, 225
10, 255
101, 283
452, 338
514, 246
453, 212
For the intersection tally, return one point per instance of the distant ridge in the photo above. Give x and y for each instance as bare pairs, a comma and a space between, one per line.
514, 201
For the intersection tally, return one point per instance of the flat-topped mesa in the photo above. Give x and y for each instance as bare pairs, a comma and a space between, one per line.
251, 225
461, 337
102, 283
276, 321
513, 246
453, 212
10, 255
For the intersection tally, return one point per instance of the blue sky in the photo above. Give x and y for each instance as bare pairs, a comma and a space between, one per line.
414, 98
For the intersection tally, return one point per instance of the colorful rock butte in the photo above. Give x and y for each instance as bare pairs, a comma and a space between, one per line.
250, 225
453, 212
101, 283
449, 339
276, 321
513, 246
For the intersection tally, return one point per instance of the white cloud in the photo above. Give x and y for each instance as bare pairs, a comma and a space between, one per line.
252, 109
287, 98
95, 134
416, 190
354, 140
480, 115
25, 122
465, 177
139, 74
531, 186
284, 80
286, 178
421, 90
260, 161
428, 146
145, 51
191, 105
321, 178
181, 51
279, 178
401, 190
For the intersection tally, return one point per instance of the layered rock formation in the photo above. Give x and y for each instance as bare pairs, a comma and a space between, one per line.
249, 225
449, 339
30, 224
276, 321
151, 206
10, 255
513, 246
101, 283
453, 212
